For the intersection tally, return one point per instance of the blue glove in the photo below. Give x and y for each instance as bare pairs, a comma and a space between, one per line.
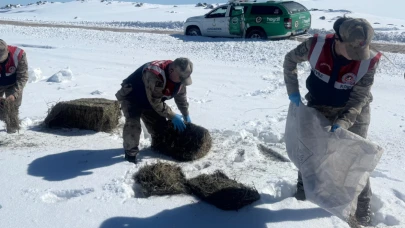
178, 123
187, 119
334, 127
295, 98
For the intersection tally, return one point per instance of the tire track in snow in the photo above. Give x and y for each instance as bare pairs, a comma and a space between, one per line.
131, 30
384, 47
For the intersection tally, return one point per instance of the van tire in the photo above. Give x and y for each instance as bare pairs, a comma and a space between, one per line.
193, 31
256, 34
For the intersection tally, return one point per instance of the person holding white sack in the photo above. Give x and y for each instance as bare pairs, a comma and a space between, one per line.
342, 74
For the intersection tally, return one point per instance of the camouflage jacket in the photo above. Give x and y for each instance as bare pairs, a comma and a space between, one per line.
22, 78
155, 94
359, 95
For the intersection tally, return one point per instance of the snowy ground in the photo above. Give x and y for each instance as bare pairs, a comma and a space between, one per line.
75, 178
387, 19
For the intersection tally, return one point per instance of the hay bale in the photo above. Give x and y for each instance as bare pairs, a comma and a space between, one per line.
161, 179
224, 193
96, 114
191, 144
9, 114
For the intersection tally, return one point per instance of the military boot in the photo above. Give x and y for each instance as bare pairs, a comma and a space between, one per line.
300, 193
130, 155
11, 130
363, 213
12, 126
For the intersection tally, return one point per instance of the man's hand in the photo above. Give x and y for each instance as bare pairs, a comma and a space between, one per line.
178, 123
334, 127
10, 98
295, 98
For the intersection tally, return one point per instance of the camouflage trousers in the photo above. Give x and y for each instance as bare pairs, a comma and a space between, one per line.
10, 117
360, 127
132, 128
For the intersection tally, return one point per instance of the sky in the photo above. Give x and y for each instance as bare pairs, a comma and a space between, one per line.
5, 2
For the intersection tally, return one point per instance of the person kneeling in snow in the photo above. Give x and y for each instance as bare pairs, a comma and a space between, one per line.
13, 78
143, 95
342, 74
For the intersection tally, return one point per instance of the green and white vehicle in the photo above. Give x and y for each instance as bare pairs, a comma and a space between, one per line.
260, 20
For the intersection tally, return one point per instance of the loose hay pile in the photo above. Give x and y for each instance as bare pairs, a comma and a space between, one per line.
191, 144
9, 114
96, 114
161, 179
224, 193
216, 189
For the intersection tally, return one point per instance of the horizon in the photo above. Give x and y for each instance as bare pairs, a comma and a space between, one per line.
163, 2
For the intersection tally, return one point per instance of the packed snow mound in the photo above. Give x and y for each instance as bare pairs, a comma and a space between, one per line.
63, 75
34, 75
263, 131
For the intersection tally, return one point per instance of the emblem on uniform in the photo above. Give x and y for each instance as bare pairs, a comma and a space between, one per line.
12, 70
349, 78
326, 65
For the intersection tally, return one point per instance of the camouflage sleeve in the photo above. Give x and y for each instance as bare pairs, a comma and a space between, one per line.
22, 77
359, 97
181, 101
295, 56
154, 92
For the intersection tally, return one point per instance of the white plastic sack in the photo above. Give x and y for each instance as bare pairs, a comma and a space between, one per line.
334, 165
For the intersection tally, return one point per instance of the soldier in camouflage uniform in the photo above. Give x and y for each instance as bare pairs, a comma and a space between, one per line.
143, 95
13, 78
342, 73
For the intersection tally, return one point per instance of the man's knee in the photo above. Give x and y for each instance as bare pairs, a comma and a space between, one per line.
132, 124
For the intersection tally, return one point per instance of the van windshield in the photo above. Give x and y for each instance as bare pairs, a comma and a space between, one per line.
294, 7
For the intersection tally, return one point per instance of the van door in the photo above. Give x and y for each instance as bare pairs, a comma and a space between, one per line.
236, 21
300, 17
270, 18
215, 22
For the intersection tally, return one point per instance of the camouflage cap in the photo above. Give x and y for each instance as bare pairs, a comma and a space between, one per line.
356, 34
3, 50
185, 67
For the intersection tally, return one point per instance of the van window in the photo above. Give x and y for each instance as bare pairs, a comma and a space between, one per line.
220, 12
294, 7
245, 8
266, 10
233, 8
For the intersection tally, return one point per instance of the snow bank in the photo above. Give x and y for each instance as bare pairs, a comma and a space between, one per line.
63, 75
35, 75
